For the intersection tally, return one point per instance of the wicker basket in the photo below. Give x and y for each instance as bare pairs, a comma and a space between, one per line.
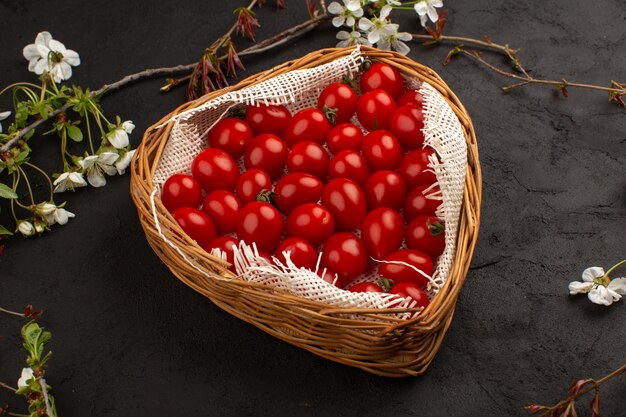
370, 339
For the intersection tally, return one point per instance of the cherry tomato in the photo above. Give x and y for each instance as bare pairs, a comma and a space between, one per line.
383, 77
308, 124
343, 137
346, 201
385, 189
296, 189
345, 254
381, 150
399, 267
308, 157
406, 124
251, 183
374, 109
181, 190
268, 119
225, 244
412, 97
412, 291
416, 203
196, 223
223, 208
260, 223
302, 254
414, 169
311, 222
382, 232
266, 152
427, 234
351, 165
339, 101
215, 170
230, 135
366, 287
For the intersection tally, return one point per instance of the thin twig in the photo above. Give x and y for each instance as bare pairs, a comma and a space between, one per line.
531, 80
10, 388
460, 39
263, 46
13, 313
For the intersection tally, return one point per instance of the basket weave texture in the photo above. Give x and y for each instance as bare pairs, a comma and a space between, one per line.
374, 339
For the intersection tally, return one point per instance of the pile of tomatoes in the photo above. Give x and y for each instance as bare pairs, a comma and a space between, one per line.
314, 181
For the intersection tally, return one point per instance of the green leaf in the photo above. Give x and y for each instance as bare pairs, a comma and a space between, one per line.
5, 231
74, 133
7, 192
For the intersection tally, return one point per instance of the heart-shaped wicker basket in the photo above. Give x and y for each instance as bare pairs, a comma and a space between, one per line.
376, 340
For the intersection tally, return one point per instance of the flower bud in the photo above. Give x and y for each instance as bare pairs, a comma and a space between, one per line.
26, 228
45, 209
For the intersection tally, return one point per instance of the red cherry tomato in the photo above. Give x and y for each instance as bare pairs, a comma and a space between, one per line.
398, 267
230, 135
331, 278
381, 150
311, 222
383, 77
416, 203
345, 254
266, 152
296, 189
385, 189
308, 124
268, 119
223, 208
382, 232
343, 137
366, 287
225, 244
181, 190
406, 124
374, 109
196, 223
302, 254
427, 234
414, 169
346, 201
412, 291
351, 165
215, 170
260, 223
412, 97
308, 157
339, 100
251, 183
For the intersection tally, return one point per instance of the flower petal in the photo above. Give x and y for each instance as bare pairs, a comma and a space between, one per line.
600, 295
56, 46
432, 13
107, 158
118, 138
401, 47
95, 178
618, 285
576, 287
88, 162
71, 57
365, 24
5, 114
40, 67
30, 52
343, 35
594, 272
27, 373
43, 38
77, 179
335, 8
420, 8
123, 162
338, 21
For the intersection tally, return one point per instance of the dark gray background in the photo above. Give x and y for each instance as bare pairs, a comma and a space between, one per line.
129, 339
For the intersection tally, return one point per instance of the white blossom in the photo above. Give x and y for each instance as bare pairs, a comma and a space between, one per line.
426, 10
123, 162
95, 166
45, 209
26, 228
69, 181
50, 55
58, 216
347, 13
598, 287
3, 116
118, 137
27, 373
350, 39
395, 41
378, 27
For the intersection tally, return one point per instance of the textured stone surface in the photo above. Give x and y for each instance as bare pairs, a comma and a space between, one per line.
129, 339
